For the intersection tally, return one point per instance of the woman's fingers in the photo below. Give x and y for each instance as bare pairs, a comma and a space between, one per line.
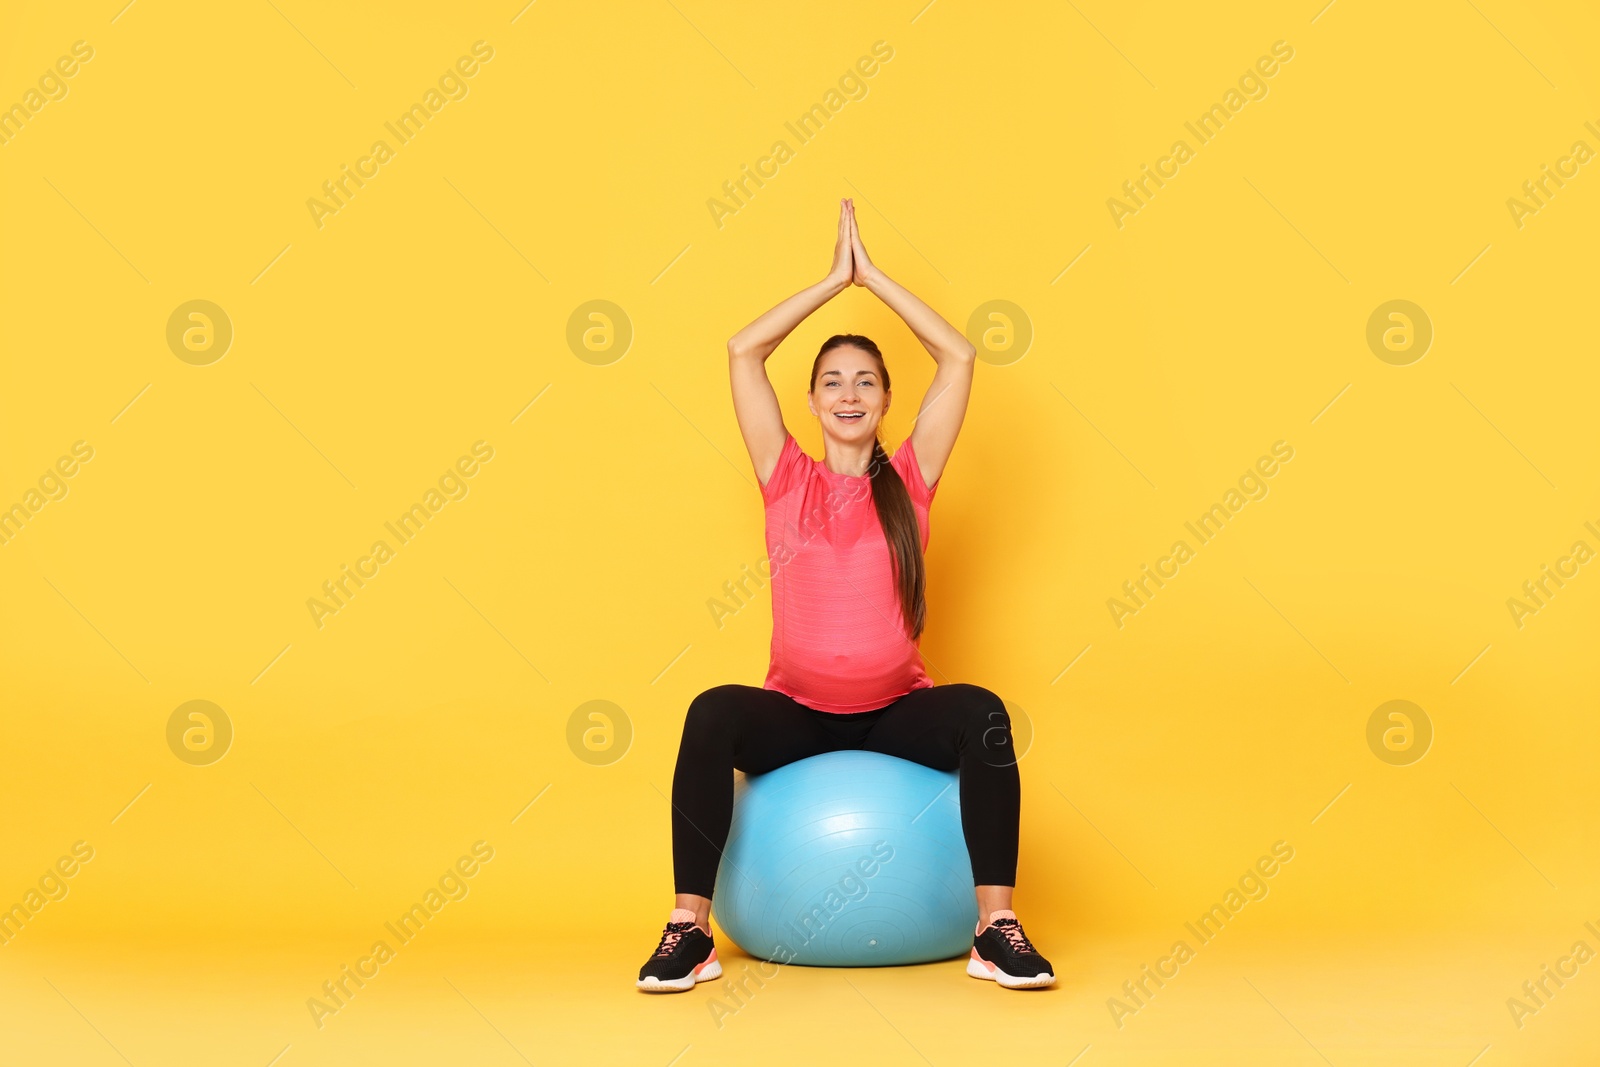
860, 263
843, 255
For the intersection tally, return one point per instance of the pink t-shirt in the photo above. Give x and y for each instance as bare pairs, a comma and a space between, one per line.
839, 640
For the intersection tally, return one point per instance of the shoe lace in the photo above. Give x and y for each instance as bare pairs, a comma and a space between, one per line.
1011, 930
671, 936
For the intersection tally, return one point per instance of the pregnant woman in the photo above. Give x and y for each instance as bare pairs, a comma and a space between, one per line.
845, 537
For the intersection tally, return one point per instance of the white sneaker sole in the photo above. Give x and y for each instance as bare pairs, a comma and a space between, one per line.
990, 973
705, 973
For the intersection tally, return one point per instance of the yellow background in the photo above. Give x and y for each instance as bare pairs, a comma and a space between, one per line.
429, 312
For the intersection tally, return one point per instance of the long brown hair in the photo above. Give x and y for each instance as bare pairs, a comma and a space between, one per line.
889, 495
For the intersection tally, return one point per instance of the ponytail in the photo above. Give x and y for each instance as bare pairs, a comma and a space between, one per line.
900, 529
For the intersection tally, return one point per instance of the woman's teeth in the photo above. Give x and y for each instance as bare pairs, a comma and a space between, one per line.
849, 414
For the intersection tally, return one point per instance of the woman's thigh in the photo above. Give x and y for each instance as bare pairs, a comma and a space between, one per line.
934, 725
769, 729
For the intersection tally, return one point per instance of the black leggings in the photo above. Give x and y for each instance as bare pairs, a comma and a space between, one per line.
755, 730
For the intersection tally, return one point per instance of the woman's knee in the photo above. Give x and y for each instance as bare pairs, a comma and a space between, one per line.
713, 713
987, 723
980, 704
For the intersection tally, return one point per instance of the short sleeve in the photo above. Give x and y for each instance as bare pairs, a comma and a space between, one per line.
904, 460
787, 474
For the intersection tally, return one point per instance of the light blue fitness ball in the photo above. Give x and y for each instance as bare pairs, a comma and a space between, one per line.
847, 859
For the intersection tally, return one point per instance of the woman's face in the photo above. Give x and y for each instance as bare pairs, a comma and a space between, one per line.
849, 398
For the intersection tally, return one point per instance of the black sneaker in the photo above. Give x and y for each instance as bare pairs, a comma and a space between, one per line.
1002, 953
684, 956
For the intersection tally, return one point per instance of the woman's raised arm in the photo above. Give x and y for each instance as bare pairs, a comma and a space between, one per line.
944, 406
755, 404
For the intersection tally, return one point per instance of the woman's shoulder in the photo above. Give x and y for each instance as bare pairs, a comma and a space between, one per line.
792, 467
904, 461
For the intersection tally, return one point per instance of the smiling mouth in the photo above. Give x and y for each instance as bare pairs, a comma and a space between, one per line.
850, 416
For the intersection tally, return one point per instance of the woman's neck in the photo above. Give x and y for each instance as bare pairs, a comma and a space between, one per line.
848, 459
